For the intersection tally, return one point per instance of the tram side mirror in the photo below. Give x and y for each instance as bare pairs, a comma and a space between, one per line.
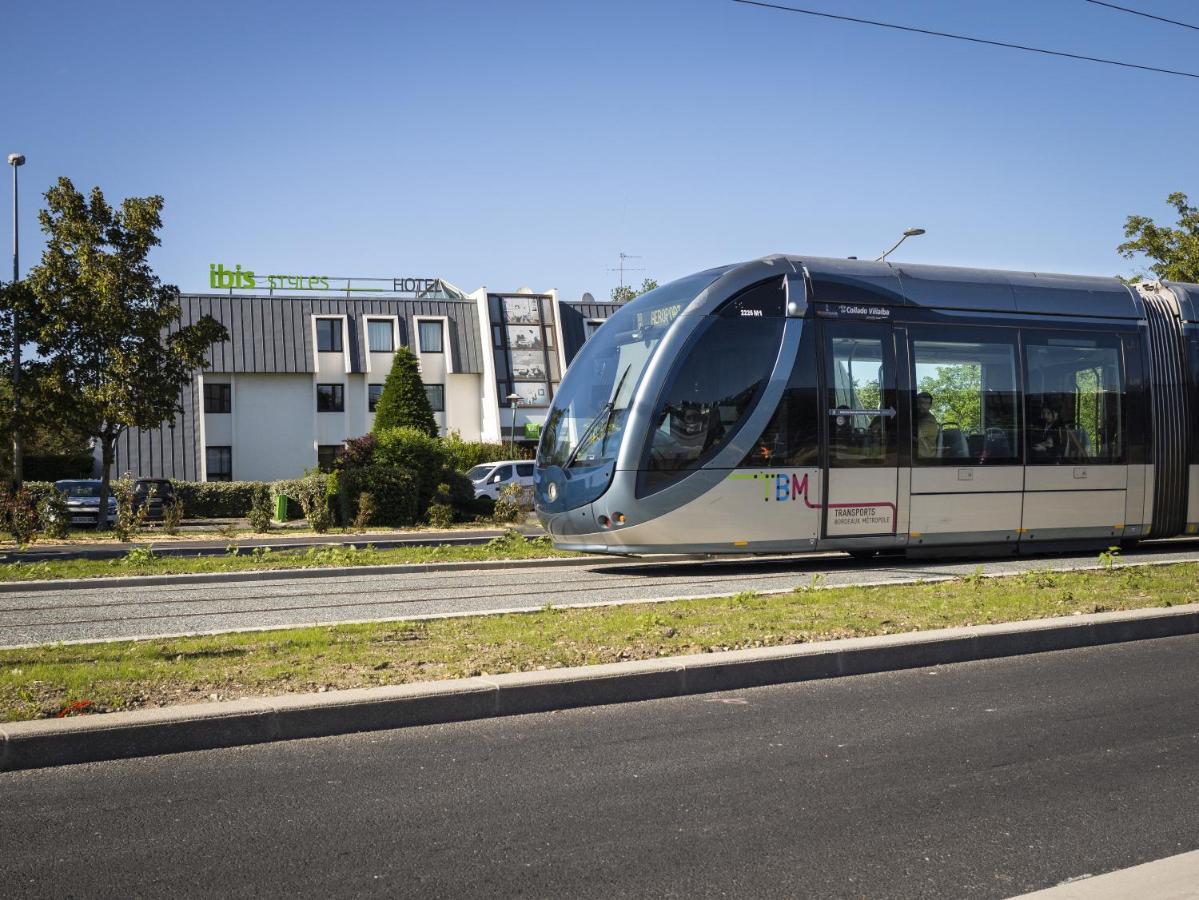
795, 291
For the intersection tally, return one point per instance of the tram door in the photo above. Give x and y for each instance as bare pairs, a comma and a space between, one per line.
860, 465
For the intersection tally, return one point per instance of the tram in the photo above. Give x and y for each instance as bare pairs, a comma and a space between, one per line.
797, 403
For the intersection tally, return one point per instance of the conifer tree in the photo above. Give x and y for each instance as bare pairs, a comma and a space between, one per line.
404, 403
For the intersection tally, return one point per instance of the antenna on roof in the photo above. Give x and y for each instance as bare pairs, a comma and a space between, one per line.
622, 268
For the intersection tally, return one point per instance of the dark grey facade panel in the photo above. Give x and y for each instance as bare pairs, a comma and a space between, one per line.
163, 452
274, 334
573, 317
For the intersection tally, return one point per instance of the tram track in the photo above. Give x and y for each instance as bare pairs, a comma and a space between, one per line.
81, 615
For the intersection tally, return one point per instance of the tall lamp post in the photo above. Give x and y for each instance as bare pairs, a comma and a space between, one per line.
513, 401
911, 232
16, 160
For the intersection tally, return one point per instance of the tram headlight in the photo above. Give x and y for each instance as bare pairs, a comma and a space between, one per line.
552, 492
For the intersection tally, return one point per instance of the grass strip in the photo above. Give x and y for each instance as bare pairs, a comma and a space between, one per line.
60, 679
143, 561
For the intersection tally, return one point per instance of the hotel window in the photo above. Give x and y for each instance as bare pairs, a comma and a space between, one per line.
220, 463
380, 336
330, 398
326, 456
328, 335
374, 392
436, 395
218, 398
430, 337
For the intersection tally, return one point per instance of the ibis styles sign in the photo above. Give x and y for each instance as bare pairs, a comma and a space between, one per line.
239, 279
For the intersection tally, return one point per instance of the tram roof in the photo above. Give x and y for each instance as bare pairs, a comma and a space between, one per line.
983, 290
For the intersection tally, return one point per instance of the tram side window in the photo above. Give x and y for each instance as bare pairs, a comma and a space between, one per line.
791, 437
1075, 400
965, 403
709, 396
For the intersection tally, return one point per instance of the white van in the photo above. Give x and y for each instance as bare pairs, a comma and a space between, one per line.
491, 478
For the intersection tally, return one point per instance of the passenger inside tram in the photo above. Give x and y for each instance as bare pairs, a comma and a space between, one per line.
928, 429
1054, 438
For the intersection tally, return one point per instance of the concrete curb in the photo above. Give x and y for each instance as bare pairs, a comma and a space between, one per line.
37, 744
70, 584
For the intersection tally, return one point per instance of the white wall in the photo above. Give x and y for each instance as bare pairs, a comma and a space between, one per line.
273, 427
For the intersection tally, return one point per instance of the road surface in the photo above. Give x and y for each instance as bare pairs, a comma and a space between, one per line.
984, 779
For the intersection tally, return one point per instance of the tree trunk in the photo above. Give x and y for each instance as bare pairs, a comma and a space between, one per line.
108, 443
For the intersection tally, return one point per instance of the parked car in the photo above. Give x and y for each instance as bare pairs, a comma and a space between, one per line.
83, 500
155, 493
491, 478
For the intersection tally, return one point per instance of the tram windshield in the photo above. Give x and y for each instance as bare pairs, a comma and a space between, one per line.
585, 425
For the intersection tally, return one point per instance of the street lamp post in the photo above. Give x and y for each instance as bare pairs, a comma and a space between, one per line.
513, 401
911, 232
16, 160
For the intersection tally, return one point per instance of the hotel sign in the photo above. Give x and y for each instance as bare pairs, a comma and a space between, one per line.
239, 279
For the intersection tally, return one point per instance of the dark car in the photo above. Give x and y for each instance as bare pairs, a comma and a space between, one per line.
83, 500
154, 494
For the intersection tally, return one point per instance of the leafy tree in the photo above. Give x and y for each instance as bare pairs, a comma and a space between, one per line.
1174, 251
404, 403
110, 353
957, 395
626, 292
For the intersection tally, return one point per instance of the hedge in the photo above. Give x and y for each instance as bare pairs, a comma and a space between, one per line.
465, 455
395, 491
216, 499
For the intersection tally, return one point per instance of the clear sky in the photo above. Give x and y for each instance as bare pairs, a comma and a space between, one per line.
514, 142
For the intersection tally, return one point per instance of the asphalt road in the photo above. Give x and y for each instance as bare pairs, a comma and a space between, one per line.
28, 617
983, 779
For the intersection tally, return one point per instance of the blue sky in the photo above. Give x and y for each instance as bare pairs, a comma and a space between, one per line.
527, 143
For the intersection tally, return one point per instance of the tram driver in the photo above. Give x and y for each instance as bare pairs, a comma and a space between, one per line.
928, 429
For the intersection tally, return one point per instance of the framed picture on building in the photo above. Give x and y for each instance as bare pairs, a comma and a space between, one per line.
521, 310
524, 337
532, 393
528, 365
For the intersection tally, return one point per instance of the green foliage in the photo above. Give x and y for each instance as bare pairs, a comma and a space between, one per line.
957, 395
1109, 557
410, 448
392, 489
368, 511
129, 521
1174, 251
260, 508
172, 515
19, 512
624, 293
462, 456
440, 515
403, 403
509, 507
216, 499
311, 493
54, 517
139, 556
109, 353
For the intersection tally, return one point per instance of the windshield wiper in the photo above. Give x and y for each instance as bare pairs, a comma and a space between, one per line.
604, 416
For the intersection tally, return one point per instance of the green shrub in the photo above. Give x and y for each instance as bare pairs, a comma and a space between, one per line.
129, 521
53, 515
408, 448
463, 456
260, 509
404, 403
39, 490
172, 515
368, 511
393, 491
310, 493
509, 507
20, 515
216, 499
440, 515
